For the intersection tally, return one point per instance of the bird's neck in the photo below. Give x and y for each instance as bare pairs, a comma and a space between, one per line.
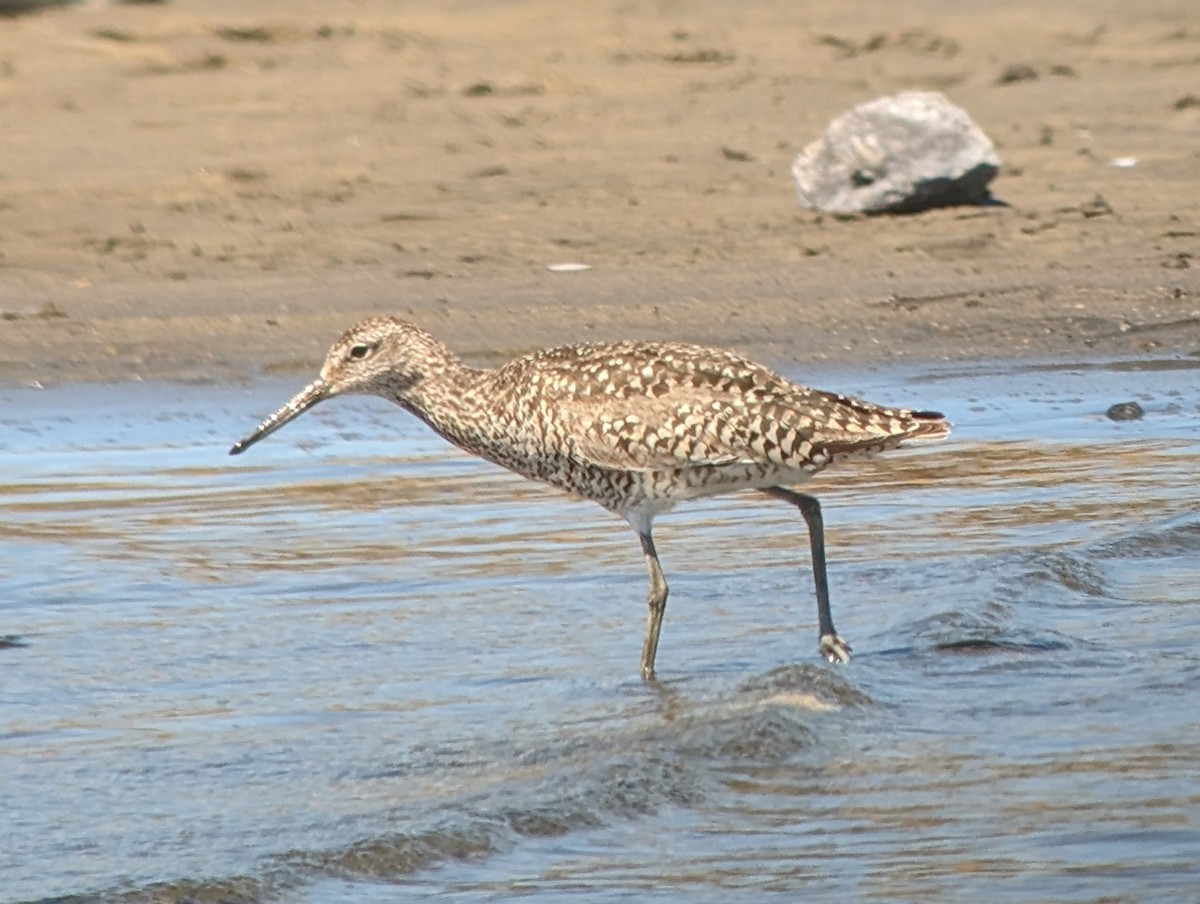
448, 397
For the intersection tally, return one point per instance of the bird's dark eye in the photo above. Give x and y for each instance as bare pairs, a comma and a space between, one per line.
358, 352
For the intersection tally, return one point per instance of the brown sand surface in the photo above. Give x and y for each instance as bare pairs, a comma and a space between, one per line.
208, 189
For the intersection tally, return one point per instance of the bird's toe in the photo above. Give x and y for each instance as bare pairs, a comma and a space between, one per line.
834, 649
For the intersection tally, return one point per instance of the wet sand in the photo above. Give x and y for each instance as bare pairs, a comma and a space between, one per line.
208, 191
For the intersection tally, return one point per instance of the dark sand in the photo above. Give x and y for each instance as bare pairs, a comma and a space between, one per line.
208, 190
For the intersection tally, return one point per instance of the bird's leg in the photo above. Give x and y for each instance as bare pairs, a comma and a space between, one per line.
657, 602
832, 647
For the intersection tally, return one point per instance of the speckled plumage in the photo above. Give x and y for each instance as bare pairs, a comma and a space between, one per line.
634, 426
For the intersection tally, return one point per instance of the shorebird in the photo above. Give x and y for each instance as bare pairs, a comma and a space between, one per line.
634, 426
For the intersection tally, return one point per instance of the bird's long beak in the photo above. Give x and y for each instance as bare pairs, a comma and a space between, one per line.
316, 391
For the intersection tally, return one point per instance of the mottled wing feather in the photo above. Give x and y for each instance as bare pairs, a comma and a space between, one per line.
656, 405
668, 432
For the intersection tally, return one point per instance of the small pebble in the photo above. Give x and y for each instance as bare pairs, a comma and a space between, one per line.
1125, 411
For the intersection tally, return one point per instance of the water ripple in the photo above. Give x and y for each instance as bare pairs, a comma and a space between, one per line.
360, 666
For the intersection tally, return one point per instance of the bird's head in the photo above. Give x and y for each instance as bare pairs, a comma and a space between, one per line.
382, 356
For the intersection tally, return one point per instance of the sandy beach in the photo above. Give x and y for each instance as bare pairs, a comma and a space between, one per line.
213, 190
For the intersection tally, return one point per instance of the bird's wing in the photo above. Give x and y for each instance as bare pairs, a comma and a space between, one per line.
648, 406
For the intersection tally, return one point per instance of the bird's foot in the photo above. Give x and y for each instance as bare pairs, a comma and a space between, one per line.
833, 648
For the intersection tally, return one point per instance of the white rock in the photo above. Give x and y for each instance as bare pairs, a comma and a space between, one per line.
899, 154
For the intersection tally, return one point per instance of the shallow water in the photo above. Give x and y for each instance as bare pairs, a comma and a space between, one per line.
355, 665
